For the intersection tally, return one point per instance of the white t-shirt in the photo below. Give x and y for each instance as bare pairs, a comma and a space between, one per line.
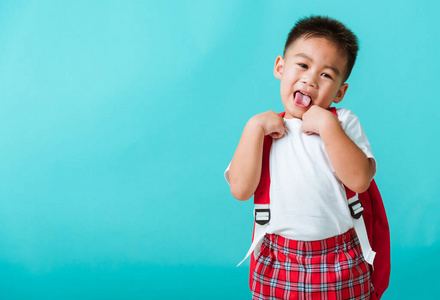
307, 199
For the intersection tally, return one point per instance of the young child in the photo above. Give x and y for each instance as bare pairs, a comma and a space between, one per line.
310, 250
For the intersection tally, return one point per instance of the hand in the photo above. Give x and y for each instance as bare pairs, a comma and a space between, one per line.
316, 119
271, 123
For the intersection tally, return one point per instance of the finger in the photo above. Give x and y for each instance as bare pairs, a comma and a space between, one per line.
308, 132
277, 134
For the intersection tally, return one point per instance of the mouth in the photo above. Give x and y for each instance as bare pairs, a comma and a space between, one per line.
302, 99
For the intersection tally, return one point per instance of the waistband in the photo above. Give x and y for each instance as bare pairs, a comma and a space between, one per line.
342, 242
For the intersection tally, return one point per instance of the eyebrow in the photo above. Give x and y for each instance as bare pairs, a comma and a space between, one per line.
334, 69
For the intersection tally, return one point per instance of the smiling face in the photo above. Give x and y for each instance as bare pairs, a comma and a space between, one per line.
311, 73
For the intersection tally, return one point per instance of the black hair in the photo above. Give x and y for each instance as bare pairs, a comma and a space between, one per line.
330, 29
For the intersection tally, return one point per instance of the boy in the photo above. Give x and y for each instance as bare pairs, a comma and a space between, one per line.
310, 248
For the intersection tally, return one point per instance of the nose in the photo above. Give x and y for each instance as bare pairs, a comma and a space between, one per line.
309, 78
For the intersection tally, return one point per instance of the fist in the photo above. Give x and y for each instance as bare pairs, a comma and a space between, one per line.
316, 119
271, 123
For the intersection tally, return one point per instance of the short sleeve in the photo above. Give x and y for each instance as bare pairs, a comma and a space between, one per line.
352, 127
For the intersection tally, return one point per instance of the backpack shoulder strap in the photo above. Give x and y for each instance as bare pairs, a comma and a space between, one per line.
356, 203
261, 195
261, 201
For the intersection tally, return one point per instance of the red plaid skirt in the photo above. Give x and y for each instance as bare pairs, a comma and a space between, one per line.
328, 269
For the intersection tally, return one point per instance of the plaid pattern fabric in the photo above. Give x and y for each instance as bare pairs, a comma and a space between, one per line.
330, 269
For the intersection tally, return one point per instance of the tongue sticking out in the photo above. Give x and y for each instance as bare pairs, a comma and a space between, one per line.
301, 100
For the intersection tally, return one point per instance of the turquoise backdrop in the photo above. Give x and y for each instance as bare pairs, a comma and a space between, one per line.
118, 119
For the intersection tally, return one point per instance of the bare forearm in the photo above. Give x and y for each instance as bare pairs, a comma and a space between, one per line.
350, 163
245, 169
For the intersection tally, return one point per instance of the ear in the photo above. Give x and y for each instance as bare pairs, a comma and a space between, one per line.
279, 66
341, 93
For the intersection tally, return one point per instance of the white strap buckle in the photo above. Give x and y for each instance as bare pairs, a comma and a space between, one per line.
262, 215
356, 207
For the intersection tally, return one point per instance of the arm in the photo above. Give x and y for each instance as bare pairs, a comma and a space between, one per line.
245, 169
350, 163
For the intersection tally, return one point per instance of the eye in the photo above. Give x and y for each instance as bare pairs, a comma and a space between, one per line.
303, 66
326, 75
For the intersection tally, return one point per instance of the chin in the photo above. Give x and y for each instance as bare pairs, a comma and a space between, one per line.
296, 112
297, 115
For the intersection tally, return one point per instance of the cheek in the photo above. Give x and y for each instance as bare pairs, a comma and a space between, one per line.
283, 88
286, 85
335, 93
330, 92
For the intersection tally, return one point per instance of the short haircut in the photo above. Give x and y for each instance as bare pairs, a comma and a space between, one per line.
330, 29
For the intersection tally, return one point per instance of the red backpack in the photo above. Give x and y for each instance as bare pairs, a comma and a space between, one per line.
368, 213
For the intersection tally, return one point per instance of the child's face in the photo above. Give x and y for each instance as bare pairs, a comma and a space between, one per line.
311, 73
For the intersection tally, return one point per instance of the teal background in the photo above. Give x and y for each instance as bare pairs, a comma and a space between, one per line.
118, 119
